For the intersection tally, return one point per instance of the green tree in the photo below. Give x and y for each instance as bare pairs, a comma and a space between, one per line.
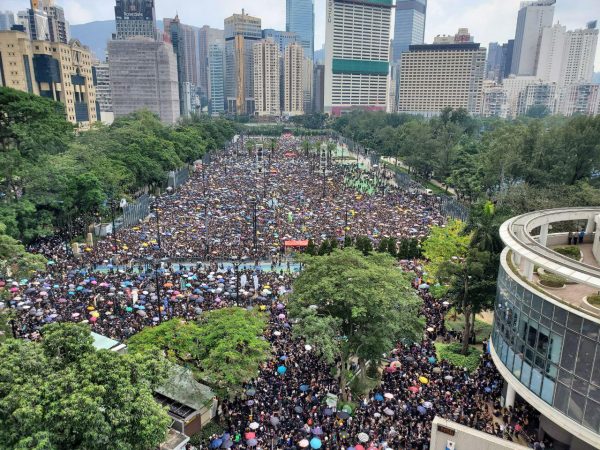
55, 396
354, 306
15, 261
223, 349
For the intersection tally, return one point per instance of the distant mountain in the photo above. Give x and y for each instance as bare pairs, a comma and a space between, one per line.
596, 78
96, 34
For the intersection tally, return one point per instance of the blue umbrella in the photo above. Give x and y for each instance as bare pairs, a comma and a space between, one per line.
432, 359
281, 370
304, 387
421, 409
378, 397
216, 443
283, 358
315, 443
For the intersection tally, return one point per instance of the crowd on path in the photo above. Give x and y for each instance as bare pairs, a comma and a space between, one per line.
212, 216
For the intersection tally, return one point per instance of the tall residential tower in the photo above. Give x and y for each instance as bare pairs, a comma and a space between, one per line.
533, 17
135, 18
357, 54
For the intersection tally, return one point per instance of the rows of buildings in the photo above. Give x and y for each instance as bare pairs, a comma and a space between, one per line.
244, 69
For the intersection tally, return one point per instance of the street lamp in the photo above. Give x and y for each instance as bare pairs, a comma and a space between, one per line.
154, 208
323, 196
156, 264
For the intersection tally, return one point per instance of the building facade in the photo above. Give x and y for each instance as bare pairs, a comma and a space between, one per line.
307, 84
357, 55
207, 36
409, 26
16, 62
242, 31
135, 18
216, 78
281, 38
582, 99
58, 26
318, 88
300, 19
458, 68
101, 75
184, 41
545, 341
267, 78
293, 61
143, 75
7, 20
533, 17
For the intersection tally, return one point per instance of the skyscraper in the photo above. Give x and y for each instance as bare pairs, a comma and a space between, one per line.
533, 17
183, 38
135, 18
266, 77
143, 75
300, 19
216, 78
357, 54
409, 26
567, 57
7, 20
241, 33
439, 75
101, 75
207, 36
281, 38
293, 103
58, 27
318, 88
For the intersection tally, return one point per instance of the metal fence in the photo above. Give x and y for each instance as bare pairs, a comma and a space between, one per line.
178, 177
452, 208
134, 212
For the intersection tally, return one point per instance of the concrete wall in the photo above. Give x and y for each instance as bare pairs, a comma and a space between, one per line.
465, 438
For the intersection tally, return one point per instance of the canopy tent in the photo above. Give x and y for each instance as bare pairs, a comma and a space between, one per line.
296, 243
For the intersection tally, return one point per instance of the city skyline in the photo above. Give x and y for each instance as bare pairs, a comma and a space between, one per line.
490, 21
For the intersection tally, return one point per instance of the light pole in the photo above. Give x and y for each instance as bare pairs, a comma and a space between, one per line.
154, 206
254, 228
323, 196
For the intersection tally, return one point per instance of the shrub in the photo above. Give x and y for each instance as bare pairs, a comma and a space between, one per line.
570, 252
594, 300
451, 353
552, 280
205, 433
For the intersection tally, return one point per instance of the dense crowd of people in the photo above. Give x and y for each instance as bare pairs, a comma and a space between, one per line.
293, 402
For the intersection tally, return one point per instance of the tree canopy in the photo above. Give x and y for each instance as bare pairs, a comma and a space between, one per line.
224, 348
62, 393
351, 305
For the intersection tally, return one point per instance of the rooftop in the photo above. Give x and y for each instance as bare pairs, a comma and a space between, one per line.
532, 248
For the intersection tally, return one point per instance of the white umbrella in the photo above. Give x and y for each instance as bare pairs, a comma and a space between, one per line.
307, 347
303, 443
388, 395
363, 437
254, 426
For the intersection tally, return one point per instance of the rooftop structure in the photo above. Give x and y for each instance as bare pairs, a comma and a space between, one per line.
545, 338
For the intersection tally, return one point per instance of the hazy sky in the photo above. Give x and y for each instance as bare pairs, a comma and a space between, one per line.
488, 20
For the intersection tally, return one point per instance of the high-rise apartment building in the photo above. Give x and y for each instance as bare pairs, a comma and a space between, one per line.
143, 75
266, 78
493, 100
184, 41
58, 26
60, 72
242, 31
7, 20
409, 26
318, 88
207, 36
35, 22
582, 98
533, 17
16, 62
281, 38
293, 90
439, 75
101, 76
307, 84
216, 78
357, 54
135, 18
567, 57
300, 19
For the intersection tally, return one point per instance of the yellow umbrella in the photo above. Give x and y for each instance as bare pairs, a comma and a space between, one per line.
90, 308
423, 379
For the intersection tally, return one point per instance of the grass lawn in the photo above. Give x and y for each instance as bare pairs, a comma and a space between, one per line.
594, 300
482, 329
451, 352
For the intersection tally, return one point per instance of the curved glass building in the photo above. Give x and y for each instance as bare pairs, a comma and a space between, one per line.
546, 336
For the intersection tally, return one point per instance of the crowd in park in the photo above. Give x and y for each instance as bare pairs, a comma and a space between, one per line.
242, 208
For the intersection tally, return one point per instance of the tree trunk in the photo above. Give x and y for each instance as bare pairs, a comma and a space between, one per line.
466, 331
473, 314
363, 370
